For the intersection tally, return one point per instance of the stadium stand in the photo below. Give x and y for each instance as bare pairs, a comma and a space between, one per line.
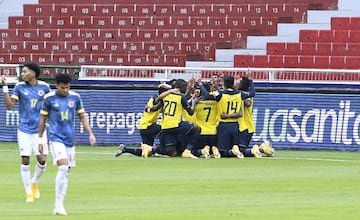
172, 33
335, 48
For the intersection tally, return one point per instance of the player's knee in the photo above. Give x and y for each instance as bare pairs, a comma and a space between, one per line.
172, 152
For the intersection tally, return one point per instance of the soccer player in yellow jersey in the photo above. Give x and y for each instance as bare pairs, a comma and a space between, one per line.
149, 128
206, 112
247, 128
229, 108
174, 104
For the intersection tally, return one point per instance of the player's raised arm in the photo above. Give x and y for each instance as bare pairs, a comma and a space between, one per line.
9, 102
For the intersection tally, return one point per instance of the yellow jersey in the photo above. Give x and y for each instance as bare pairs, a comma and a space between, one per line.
207, 117
149, 118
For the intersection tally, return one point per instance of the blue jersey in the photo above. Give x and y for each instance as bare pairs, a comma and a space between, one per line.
30, 99
61, 113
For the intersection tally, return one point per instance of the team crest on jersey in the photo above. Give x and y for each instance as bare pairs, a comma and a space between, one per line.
71, 104
56, 105
41, 92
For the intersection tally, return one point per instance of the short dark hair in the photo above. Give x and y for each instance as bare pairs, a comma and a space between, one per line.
62, 78
172, 83
181, 84
34, 67
244, 83
228, 81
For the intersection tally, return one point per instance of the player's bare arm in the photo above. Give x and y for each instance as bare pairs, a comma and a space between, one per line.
87, 127
42, 124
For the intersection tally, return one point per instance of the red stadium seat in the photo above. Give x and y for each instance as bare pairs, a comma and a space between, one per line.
354, 36
5, 58
354, 23
120, 59
352, 62
276, 61
81, 59
77, 47
308, 35
89, 34
307, 49
40, 47
62, 59
63, 9
100, 59
338, 49
291, 61
340, 23
64, 34
104, 10
144, 9
173, 60
14, 47
340, 36
53, 46
164, 10
292, 48
41, 59
95, 47
322, 61
257, 9
103, 22
353, 49
260, 61
21, 57
243, 60
9, 34
307, 61
182, 9
288, 13
326, 36
337, 62
38, 9
123, 22
345, 23
275, 48
324, 49
202, 9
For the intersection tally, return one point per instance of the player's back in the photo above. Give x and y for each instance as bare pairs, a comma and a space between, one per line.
207, 117
229, 103
173, 110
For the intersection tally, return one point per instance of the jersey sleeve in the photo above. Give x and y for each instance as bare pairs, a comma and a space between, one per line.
79, 105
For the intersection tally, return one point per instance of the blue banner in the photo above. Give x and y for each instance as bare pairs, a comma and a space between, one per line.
288, 120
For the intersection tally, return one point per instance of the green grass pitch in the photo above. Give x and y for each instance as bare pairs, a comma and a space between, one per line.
293, 185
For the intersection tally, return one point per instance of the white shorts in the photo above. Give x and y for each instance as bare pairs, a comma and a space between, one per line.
60, 151
28, 143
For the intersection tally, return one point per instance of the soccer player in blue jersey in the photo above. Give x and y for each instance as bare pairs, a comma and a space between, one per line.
229, 109
58, 110
29, 93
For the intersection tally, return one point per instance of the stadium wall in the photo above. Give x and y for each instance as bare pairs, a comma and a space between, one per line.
296, 120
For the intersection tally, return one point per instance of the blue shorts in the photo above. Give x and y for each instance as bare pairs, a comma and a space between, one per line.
177, 136
148, 135
245, 138
209, 140
227, 135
